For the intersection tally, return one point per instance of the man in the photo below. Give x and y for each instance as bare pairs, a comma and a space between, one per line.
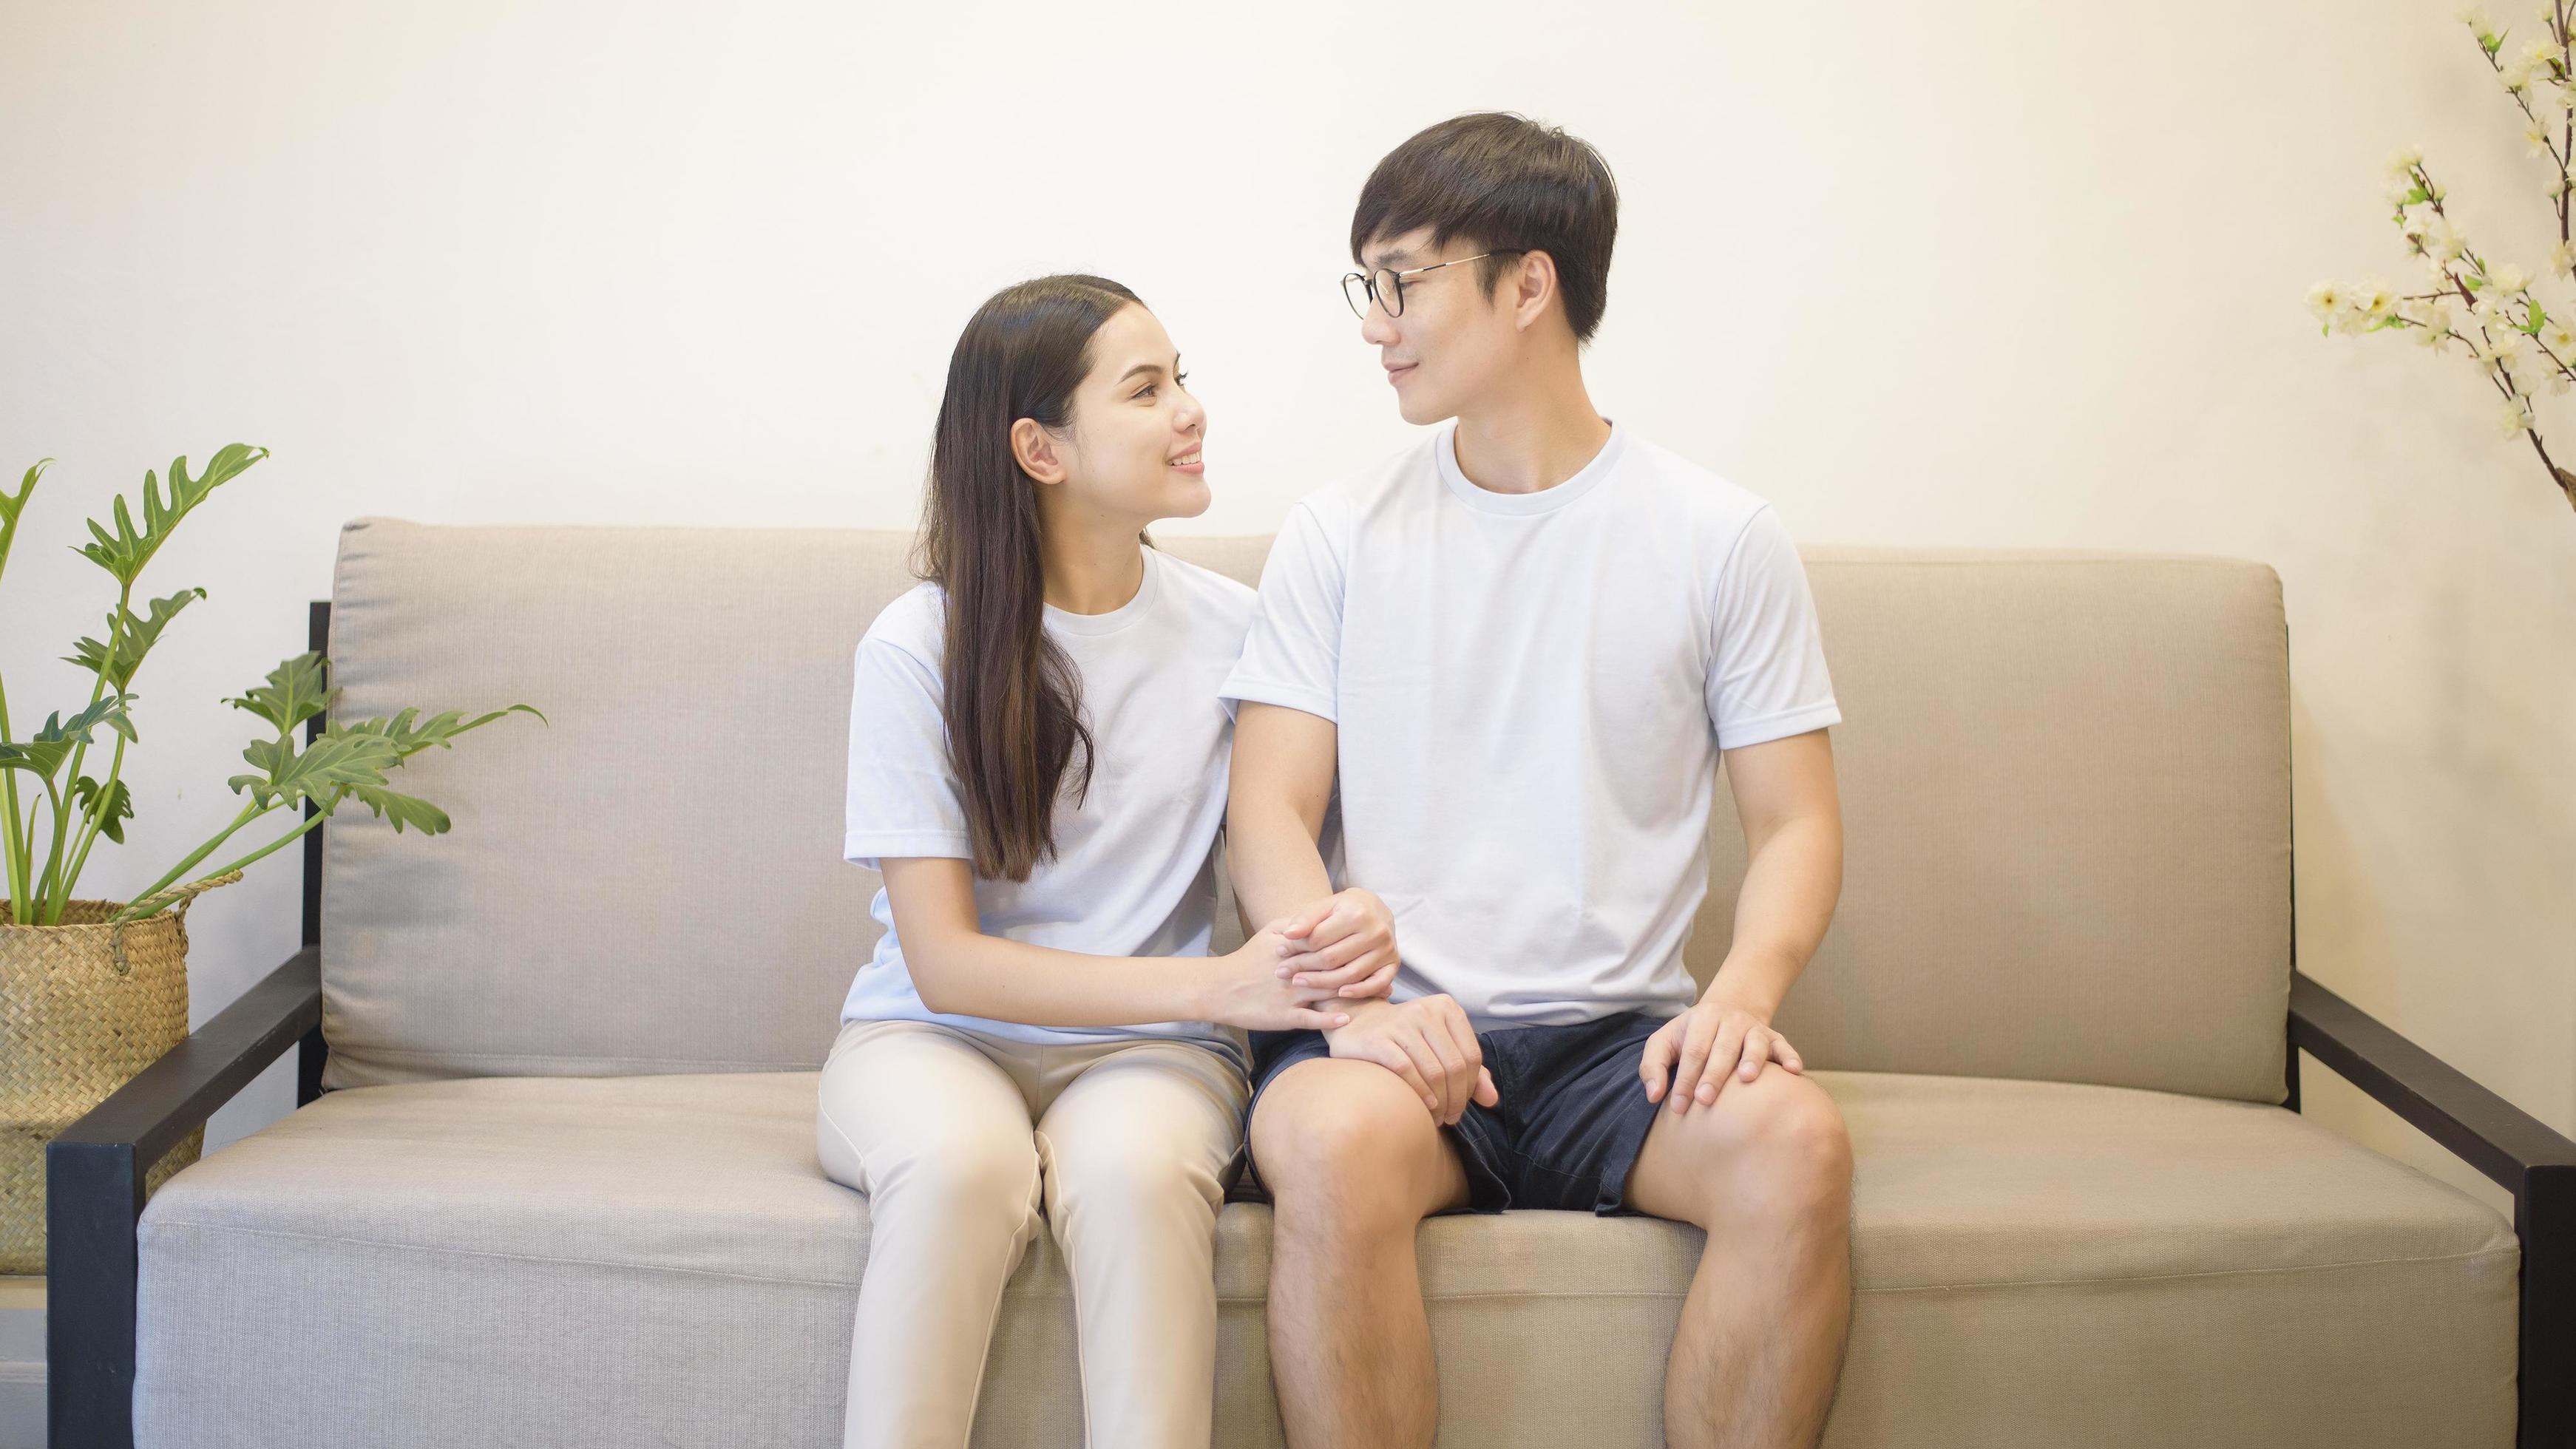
1521, 649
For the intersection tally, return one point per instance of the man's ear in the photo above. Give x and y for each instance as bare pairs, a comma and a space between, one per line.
1035, 449
1532, 286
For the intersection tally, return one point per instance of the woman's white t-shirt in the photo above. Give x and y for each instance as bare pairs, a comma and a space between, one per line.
1134, 873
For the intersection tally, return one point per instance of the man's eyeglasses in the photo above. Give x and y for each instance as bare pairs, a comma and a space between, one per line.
1386, 287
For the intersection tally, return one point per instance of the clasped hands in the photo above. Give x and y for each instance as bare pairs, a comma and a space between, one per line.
1340, 952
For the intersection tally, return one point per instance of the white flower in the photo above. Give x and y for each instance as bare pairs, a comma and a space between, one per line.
2509, 278
2405, 162
2535, 138
2562, 260
2516, 74
2558, 337
2374, 299
2328, 298
2442, 240
2475, 17
2537, 55
2558, 384
2415, 223
2513, 417
2434, 326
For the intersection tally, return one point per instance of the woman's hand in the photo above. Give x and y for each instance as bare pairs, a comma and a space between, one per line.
1248, 990
1344, 943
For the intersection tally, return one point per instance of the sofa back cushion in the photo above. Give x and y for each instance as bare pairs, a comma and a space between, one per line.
2065, 785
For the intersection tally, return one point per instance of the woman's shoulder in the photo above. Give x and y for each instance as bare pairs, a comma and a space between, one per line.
915, 621
1204, 587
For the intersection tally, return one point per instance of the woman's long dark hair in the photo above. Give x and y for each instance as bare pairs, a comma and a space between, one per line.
1014, 700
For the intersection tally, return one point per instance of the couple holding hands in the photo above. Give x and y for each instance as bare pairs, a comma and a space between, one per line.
1459, 752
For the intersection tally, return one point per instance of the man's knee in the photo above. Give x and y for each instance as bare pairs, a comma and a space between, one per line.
1345, 1146
1775, 1147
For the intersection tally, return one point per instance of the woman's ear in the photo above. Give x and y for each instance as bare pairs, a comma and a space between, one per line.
1035, 448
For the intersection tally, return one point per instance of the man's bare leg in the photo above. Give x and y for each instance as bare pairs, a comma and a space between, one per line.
1766, 1171
1353, 1164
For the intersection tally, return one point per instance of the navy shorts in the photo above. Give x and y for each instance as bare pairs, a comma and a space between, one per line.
1572, 1115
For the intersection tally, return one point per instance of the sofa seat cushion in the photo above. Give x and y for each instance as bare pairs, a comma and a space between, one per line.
658, 1259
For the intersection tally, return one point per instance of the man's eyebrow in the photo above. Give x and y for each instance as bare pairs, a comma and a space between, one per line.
1393, 258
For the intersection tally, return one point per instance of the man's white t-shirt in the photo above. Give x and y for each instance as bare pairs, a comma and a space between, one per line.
1134, 872
1531, 692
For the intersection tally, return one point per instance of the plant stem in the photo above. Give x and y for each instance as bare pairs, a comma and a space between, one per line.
273, 845
249, 813
15, 846
96, 820
106, 663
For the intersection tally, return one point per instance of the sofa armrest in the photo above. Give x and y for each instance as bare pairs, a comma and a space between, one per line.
2521, 1153
94, 1175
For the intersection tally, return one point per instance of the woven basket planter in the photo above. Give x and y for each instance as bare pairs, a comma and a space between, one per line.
84, 1007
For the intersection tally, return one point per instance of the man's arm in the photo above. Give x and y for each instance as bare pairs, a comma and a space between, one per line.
1791, 812
1280, 783
1282, 780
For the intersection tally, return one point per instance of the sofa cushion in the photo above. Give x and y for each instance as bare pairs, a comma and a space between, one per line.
658, 1259
2065, 785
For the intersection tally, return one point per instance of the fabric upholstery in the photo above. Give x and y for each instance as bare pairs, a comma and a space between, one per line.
659, 1259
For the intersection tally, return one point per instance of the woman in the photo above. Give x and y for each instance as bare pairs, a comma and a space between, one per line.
1038, 767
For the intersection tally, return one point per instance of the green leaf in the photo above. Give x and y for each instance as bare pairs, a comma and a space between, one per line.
133, 637
437, 730
13, 504
118, 806
294, 693
126, 551
2416, 195
402, 809
53, 743
321, 772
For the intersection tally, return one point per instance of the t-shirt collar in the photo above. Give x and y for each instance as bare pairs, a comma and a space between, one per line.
1117, 618
1546, 500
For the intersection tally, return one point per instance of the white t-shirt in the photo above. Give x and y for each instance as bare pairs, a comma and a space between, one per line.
1531, 692
1134, 872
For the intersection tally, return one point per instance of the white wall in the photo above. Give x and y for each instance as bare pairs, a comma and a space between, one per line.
1981, 273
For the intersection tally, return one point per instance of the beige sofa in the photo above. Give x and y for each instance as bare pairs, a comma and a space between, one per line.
560, 1187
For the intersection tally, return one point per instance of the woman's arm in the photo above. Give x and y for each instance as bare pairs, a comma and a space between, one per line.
960, 970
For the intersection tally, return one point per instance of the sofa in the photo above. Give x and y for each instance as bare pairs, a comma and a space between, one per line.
552, 1176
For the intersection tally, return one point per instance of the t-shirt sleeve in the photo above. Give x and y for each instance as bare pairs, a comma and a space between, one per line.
904, 796
1292, 653
1766, 673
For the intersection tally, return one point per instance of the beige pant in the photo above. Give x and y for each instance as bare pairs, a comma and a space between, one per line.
1131, 1145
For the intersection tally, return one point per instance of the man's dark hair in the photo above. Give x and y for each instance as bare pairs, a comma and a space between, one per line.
1502, 181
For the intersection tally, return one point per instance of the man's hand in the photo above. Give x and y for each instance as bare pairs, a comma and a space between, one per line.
1716, 1040
1428, 1042
1344, 942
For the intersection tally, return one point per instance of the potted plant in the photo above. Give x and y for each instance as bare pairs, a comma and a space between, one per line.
93, 991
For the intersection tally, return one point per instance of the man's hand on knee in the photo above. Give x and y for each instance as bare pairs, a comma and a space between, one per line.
1427, 1041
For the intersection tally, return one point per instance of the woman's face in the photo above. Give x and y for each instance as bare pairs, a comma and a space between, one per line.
1131, 452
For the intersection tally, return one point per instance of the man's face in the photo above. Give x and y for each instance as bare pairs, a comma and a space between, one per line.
1444, 350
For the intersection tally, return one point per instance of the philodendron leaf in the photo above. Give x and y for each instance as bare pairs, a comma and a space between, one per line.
14, 504
125, 552
133, 637
321, 772
294, 693
438, 729
402, 809
119, 806
53, 744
